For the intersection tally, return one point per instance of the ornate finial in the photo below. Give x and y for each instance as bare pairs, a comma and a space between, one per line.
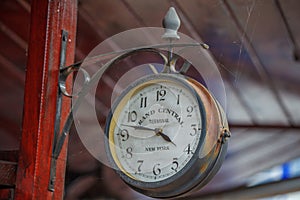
171, 23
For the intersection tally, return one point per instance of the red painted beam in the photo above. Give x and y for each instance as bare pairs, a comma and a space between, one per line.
48, 18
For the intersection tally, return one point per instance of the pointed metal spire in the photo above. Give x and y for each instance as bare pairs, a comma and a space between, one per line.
171, 23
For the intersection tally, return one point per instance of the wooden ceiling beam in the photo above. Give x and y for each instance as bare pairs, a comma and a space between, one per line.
258, 64
242, 165
13, 36
25, 5
289, 30
194, 33
133, 13
12, 71
9, 126
258, 191
7, 174
265, 127
89, 20
187, 22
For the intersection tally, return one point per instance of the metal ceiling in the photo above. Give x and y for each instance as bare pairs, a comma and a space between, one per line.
255, 44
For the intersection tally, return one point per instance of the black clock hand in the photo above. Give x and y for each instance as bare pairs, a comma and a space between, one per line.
140, 127
158, 131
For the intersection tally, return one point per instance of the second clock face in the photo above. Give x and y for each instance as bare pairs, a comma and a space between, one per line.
155, 130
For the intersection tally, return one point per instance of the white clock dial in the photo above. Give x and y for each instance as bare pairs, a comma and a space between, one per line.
155, 130
166, 135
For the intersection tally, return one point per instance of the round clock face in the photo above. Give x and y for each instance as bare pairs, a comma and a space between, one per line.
155, 130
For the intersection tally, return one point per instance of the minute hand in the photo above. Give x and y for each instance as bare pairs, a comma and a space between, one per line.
158, 131
140, 127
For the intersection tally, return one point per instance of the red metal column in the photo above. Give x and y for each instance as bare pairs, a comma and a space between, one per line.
48, 18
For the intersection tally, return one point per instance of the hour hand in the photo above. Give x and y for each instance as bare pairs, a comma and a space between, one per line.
159, 132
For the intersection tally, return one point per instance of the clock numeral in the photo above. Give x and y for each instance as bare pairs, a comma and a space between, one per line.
156, 169
140, 162
129, 152
174, 164
189, 109
124, 134
143, 102
160, 94
178, 97
188, 149
132, 116
194, 132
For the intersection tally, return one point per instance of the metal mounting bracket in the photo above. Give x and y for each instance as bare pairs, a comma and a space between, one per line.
64, 41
